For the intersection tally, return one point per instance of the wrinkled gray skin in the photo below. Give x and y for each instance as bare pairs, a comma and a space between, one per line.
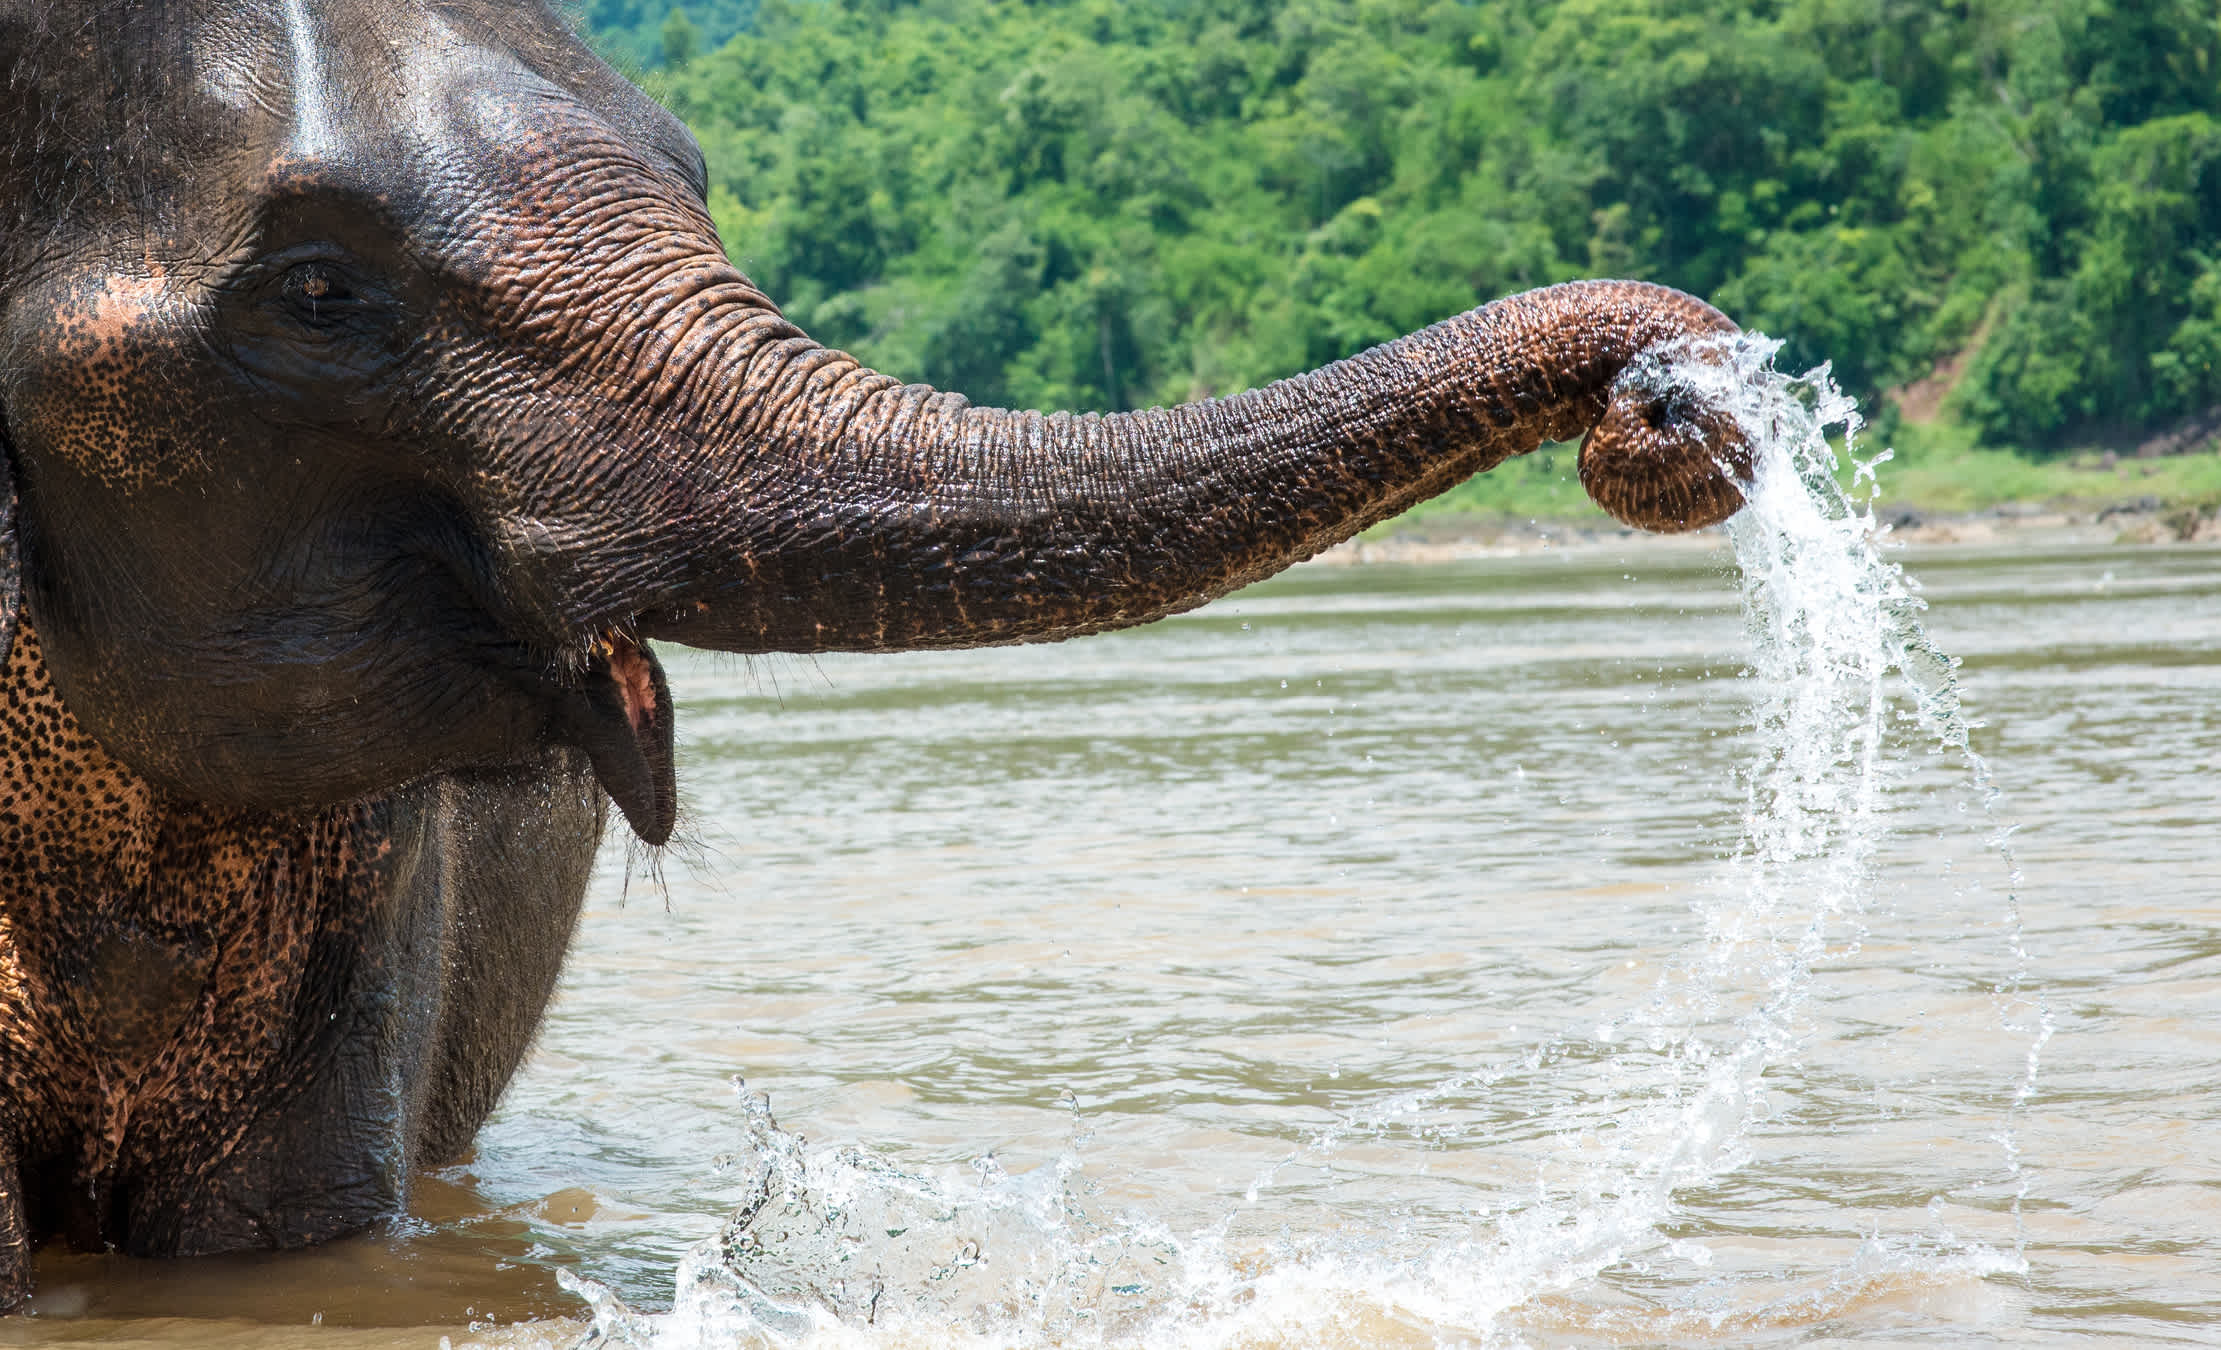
373, 384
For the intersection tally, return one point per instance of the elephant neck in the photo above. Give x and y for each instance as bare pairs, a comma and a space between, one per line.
152, 957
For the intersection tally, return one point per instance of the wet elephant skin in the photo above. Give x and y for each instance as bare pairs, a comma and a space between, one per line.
373, 385
223, 1029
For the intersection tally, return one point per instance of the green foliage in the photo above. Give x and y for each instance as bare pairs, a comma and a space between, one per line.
678, 38
1109, 203
642, 35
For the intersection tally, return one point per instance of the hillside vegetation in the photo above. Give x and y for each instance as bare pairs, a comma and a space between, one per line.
2013, 206
640, 35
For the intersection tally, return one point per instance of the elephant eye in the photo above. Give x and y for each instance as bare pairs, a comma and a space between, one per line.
321, 293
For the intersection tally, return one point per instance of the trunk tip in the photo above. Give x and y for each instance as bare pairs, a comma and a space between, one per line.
1665, 457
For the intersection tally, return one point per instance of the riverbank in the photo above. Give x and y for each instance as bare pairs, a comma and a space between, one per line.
1937, 486
2145, 521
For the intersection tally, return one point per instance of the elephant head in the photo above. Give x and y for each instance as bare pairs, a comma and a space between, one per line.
376, 383
374, 387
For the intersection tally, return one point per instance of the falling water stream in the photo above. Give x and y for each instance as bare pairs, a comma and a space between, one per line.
1667, 1096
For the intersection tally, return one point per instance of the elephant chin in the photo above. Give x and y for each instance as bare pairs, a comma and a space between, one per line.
621, 717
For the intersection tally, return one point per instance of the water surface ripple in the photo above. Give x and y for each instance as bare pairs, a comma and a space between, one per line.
1312, 928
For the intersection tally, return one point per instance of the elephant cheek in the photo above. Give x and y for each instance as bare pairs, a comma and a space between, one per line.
82, 396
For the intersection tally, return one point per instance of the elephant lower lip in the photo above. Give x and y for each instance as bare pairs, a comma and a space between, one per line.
622, 719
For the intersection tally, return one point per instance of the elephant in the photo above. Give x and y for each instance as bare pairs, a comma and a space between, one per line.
374, 388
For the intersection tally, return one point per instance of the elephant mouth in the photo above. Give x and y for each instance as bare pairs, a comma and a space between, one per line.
621, 717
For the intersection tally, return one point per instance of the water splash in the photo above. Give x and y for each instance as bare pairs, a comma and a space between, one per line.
838, 1246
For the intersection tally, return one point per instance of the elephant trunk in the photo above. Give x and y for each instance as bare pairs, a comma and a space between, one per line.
819, 506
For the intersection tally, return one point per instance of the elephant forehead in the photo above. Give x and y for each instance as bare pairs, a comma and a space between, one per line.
177, 104
191, 118
416, 94
340, 93
237, 64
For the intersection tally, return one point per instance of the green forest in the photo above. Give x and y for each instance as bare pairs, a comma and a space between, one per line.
1998, 217
642, 35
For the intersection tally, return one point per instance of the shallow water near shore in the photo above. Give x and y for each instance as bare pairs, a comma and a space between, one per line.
1370, 958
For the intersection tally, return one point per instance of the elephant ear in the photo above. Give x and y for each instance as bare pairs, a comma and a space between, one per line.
11, 554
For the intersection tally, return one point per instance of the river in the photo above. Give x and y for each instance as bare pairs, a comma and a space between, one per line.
1291, 973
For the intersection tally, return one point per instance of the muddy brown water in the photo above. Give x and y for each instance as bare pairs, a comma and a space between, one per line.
1307, 931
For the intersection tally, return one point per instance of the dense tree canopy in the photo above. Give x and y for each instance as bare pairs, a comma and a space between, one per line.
1108, 203
644, 35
